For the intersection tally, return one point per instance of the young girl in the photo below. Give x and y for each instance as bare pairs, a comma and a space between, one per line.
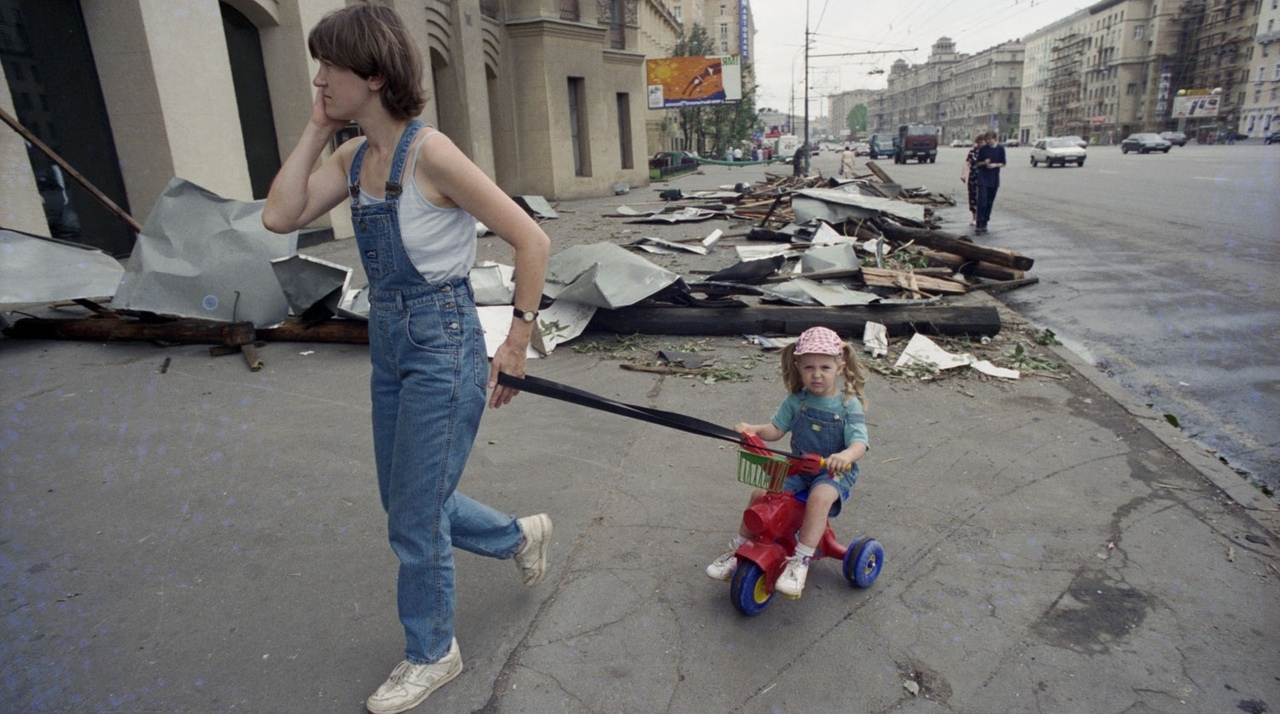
824, 419
415, 198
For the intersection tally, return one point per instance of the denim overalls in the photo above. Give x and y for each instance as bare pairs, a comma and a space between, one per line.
428, 386
818, 431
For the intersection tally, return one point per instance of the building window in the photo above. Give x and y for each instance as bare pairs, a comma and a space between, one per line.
578, 135
1262, 73
1131, 90
723, 10
1137, 32
679, 13
724, 29
624, 129
1275, 74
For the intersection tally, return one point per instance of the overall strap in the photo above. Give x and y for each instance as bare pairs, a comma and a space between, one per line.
394, 179
394, 186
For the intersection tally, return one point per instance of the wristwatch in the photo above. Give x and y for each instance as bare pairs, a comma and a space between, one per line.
526, 315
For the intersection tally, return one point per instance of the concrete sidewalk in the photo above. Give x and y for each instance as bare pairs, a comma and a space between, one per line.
209, 539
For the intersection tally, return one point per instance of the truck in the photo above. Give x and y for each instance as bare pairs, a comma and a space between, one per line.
881, 145
916, 141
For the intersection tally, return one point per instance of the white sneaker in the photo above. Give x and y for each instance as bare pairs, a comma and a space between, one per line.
724, 567
409, 684
791, 582
532, 558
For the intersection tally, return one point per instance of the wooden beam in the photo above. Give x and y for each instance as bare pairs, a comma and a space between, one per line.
951, 243
792, 320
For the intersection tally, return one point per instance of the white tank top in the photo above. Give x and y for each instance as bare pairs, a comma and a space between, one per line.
441, 242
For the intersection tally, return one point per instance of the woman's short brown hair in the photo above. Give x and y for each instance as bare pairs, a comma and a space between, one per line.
372, 41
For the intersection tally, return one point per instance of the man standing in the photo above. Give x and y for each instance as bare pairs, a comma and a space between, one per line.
991, 159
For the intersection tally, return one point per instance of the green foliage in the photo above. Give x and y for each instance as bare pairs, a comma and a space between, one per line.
857, 119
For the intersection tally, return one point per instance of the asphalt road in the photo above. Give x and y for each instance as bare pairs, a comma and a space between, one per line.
1161, 270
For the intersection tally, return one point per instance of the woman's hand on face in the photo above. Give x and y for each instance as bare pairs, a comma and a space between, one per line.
320, 117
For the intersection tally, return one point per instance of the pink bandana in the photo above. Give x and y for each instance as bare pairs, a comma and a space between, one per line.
819, 340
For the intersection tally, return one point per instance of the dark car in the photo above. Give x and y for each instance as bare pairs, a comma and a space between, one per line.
1144, 144
1273, 138
1176, 138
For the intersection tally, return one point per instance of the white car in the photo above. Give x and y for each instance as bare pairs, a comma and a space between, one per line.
1060, 152
959, 143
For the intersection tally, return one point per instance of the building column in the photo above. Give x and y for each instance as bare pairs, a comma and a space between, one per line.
166, 80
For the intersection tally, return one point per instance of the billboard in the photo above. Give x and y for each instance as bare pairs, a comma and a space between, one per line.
693, 81
1196, 103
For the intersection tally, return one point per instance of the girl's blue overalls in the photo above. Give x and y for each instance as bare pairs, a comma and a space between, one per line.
818, 431
428, 386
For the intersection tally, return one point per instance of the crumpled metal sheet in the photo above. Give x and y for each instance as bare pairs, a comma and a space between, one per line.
312, 286
604, 275
36, 269
836, 206
200, 255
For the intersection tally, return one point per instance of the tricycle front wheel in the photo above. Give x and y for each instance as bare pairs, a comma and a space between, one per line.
749, 589
863, 561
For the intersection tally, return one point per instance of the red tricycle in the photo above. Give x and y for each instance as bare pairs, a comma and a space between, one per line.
775, 518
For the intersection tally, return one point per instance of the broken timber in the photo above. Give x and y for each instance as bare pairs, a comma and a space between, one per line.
951, 243
187, 331
791, 320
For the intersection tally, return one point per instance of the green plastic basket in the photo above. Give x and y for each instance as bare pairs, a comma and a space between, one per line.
767, 472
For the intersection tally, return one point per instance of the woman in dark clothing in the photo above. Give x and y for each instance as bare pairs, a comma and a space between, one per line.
969, 177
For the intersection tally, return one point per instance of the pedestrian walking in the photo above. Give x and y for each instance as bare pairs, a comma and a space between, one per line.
415, 198
969, 175
991, 159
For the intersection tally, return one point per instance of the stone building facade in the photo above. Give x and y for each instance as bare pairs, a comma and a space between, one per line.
546, 96
959, 93
1118, 66
1260, 110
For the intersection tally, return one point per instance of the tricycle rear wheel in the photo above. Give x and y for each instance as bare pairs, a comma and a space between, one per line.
863, 561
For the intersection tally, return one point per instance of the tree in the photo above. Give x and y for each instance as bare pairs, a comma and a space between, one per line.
857, 119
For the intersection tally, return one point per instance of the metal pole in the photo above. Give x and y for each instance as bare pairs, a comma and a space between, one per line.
808, 152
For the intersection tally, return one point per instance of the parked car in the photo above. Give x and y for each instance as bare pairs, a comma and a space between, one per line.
862, 148
1176, 138
1144, 144
959, 143
1012, 142
1273, 138
1080, 141
1055, 151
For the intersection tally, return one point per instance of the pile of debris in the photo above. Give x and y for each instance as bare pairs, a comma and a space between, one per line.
845, 253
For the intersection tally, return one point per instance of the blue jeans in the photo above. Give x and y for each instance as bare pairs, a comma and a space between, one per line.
428, 385
986, 199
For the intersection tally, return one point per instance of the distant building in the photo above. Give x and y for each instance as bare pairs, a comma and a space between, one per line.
959, 93
839, 106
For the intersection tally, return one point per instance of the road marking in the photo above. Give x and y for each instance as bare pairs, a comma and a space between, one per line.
1210, 178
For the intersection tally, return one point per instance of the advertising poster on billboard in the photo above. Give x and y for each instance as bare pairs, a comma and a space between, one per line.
693, 81
1193, 104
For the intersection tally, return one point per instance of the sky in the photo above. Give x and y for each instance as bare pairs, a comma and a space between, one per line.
900, 29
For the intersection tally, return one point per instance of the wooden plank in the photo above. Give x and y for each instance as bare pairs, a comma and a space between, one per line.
792, 320
913, 281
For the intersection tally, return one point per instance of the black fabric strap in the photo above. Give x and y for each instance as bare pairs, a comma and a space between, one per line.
671, 420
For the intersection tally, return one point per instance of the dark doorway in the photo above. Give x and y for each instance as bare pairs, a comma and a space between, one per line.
54, 82
249, 75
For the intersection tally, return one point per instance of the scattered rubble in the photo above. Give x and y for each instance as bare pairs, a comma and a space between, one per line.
862, 250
